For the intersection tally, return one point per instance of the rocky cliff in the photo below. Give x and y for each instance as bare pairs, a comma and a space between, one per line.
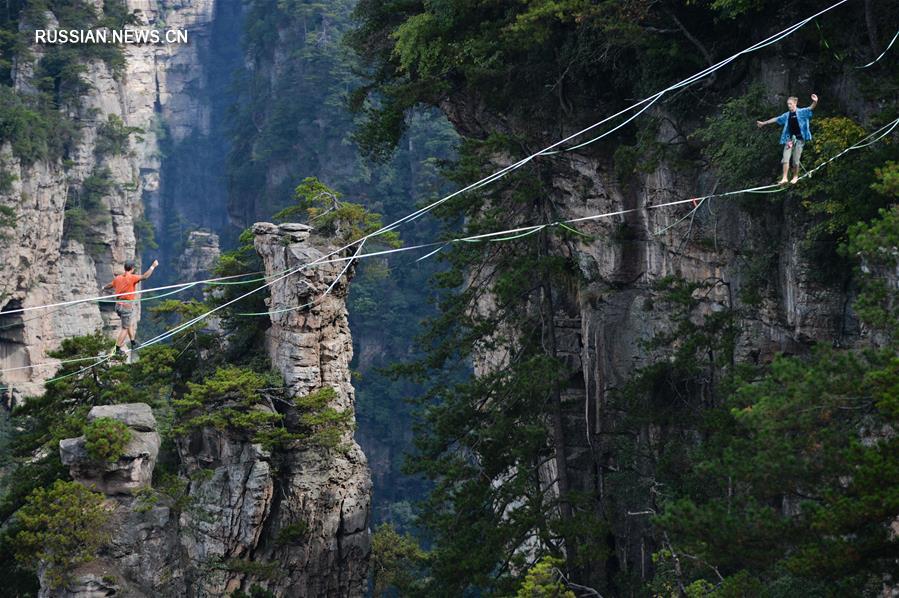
43, 262
293, 521
605, 324
312, 348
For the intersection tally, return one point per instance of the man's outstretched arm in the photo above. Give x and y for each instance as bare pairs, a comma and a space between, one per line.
814, 103
762, 123
149, 271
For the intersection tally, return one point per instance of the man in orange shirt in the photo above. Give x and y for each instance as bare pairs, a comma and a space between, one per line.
124, 286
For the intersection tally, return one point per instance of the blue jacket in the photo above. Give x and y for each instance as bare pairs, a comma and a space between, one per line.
804, 115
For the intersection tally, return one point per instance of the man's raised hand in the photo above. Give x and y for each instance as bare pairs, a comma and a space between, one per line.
814, 97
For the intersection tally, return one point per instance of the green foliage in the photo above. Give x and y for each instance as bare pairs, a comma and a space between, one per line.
144, 234
85, 209
228, 399
7, 220
397, 562
34, 130
533, 62
841, 190
255, 569
246, 338
320, 424
887, 180
114, 137
62, 527
741, 154
292, 533
796, 478
733, 9
105, 439
6, 180
342, 220
875, 245
542, 581
234, 398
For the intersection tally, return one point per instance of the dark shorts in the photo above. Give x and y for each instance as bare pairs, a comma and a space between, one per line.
126, 314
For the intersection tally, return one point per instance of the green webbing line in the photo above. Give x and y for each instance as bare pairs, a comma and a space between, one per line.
780, 190
573, 230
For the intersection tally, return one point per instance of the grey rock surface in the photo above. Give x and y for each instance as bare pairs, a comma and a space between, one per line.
135, 415
133, 470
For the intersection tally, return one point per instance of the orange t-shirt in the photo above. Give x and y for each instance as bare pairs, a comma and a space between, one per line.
124, 284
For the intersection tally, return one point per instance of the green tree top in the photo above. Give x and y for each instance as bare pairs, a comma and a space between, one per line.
61, 526
331, 216
105, 439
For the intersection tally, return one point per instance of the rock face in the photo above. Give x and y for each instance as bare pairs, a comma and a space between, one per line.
329, 494
134, 469
39, 264
603, 325
295, 523
201, 251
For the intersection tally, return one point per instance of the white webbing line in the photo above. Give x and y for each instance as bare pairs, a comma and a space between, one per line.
502, 172
482, 182
892, 41
862, 143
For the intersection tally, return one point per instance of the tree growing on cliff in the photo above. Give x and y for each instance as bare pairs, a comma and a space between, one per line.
105, 439
343, 221
60, 527
795, 487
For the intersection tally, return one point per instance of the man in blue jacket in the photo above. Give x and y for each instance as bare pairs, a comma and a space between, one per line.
795, 133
